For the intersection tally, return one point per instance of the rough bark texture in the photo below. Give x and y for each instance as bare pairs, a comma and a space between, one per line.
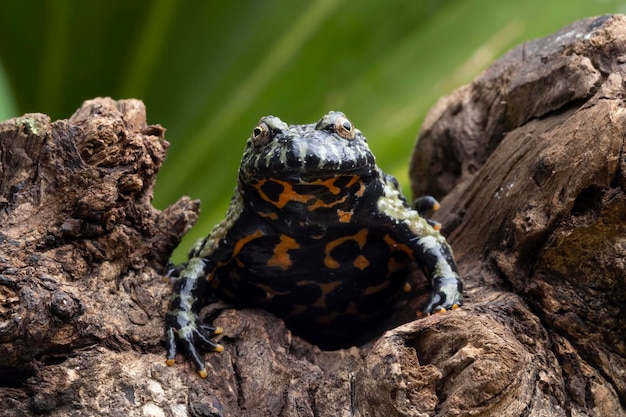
530, 159
80, 245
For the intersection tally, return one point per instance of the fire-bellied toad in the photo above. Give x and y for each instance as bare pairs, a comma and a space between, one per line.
317, 234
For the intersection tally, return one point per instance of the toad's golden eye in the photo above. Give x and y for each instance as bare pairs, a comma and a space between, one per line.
261, 135
344, 128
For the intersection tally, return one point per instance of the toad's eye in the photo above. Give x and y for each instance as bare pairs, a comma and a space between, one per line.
261, 135
344, 128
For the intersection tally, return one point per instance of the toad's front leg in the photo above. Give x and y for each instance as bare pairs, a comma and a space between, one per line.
182, 324
435, 256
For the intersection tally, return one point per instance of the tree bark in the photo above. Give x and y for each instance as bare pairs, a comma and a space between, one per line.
80, 247
533, 154
529, 162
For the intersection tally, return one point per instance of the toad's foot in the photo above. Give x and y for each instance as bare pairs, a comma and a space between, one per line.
446, 295
425, 204
187, 331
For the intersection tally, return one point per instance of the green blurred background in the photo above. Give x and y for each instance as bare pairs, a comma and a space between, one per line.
207, 71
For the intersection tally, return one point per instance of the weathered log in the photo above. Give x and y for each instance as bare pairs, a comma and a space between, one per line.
530, 159
79, 247
533, 151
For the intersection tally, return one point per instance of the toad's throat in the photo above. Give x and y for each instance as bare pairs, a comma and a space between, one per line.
314, 194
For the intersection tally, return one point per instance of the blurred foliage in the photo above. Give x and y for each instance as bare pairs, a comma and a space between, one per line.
208, 71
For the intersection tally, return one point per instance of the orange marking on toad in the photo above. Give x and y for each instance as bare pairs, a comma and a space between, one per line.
281, 258
359, 237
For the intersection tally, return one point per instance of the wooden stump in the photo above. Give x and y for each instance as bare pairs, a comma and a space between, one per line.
533, 154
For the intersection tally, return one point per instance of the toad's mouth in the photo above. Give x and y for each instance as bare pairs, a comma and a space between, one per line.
299, 174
